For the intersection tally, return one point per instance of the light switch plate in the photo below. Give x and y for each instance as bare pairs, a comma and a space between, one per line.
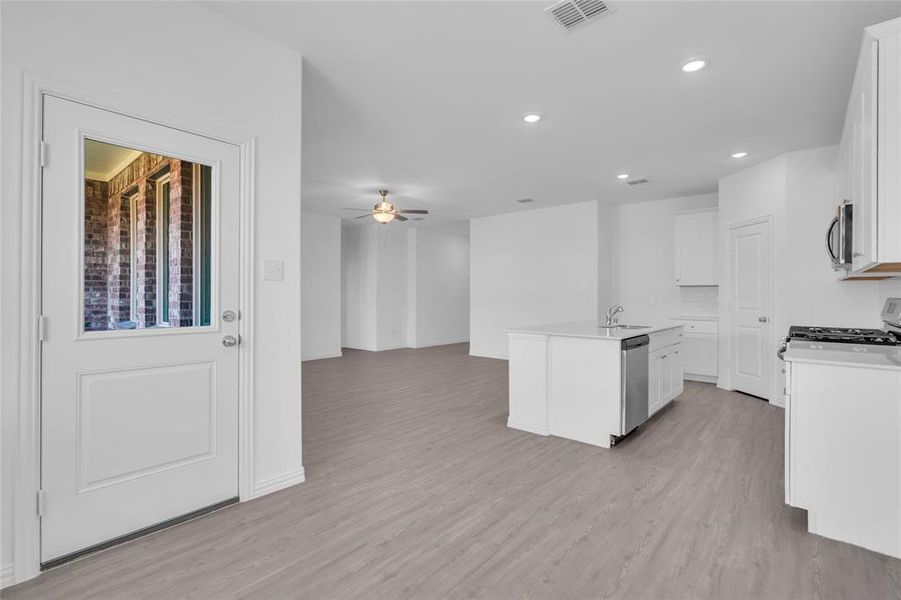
273, 270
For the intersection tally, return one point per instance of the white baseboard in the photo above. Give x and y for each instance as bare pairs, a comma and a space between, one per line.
280, 482
393, 347
441, 343
527, 427
338, 354
7, 575
701, 378
482, 355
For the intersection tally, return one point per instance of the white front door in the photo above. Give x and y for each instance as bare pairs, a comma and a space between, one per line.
139, 391
750, 298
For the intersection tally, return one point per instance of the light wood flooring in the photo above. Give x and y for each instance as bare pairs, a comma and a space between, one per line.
417, 489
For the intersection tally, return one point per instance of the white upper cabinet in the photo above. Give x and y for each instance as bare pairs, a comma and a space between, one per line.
869, 161
696, 247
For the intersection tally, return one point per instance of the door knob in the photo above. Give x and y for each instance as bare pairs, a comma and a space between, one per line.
229, 316
229, 341
762, 319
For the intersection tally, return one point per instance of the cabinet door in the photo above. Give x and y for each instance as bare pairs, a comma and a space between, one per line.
698, 354
654, 398
676, 370
666, 375
696, 248
862, 112
889, 148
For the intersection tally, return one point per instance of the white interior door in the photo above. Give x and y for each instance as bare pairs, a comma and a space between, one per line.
139, 399
750, 298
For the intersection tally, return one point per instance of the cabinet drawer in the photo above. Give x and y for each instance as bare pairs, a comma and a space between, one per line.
662, 339
697, 325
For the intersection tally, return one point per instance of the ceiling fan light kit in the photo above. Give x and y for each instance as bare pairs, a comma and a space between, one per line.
384, 212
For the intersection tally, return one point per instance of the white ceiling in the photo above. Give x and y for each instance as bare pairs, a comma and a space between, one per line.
427, 98
102, 160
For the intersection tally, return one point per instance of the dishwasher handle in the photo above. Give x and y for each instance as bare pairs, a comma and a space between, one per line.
635, 342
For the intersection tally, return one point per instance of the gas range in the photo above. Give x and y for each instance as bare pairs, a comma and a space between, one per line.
843, 335
839, 339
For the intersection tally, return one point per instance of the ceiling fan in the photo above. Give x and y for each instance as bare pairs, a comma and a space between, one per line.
384, 212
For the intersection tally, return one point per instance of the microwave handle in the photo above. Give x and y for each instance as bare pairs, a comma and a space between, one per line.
829, 240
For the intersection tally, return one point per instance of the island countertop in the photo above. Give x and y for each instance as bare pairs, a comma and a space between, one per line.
591, 329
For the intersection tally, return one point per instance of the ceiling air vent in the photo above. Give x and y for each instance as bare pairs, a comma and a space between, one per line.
573, 13
638, 181
525, 200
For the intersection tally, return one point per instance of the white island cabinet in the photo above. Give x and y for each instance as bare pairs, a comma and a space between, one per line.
843, 442
566, 379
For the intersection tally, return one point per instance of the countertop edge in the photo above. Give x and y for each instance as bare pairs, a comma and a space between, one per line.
841, 363
629, 333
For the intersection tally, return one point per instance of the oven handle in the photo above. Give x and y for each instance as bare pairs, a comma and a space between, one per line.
783, 346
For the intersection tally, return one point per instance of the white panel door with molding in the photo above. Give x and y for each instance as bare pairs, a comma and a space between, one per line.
750, 306
139, 358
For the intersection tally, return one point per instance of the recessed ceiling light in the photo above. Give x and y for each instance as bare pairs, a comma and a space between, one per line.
695, 64
739, 154
533, 118
622, 176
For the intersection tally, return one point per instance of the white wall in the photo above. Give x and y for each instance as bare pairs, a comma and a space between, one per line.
532, 267
890, 288
203, 69
797, 189
391, 286
439, 304
404, 286
644, 268
358, 287
320, 286
606, 282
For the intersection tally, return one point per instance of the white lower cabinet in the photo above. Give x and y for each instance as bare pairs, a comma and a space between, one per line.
843, 449
699, 350
665, 376
678, 375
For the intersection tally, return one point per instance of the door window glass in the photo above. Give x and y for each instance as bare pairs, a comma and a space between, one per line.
147, 240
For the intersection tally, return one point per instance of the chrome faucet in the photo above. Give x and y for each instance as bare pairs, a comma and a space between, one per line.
611, 314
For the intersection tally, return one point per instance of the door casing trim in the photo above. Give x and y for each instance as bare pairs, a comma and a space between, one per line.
725, 381
28, 461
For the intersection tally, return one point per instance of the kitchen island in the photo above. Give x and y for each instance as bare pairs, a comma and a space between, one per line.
567, 379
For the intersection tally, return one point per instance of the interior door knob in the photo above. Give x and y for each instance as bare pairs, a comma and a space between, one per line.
229, 341
762, 319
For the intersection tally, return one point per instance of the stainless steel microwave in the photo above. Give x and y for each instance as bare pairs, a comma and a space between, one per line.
838, 237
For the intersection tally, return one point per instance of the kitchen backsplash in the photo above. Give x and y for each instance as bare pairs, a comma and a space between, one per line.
699, 300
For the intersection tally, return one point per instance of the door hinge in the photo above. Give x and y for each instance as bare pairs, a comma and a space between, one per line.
43, 153
41, 498
42, 328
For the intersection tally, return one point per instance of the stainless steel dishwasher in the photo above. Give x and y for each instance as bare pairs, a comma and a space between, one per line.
634, 382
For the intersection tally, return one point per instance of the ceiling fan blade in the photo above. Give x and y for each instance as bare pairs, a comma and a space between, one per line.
349, 208
363, 216
414, 211
399, 217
